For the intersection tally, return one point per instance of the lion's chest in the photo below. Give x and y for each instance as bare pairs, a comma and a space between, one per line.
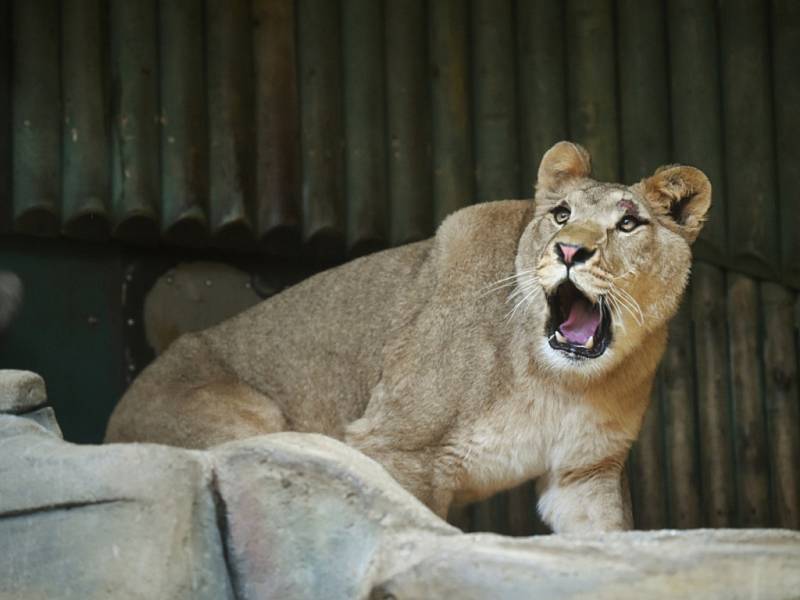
520, 439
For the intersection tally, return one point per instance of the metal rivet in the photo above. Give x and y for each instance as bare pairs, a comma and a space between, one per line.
131, 322
208, 283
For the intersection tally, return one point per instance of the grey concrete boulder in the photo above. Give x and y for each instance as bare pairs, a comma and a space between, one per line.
303, 516
92, 522
707, 564
21, 391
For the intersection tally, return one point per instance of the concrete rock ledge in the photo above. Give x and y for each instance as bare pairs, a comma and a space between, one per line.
21, 391
303, 516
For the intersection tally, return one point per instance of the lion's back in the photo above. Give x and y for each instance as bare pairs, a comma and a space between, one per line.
320, 342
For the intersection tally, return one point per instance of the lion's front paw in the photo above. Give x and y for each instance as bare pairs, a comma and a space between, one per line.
584, 507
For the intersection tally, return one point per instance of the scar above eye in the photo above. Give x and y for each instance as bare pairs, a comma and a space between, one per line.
629, 207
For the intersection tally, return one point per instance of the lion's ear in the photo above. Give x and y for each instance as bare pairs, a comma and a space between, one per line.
681, 196
563, 162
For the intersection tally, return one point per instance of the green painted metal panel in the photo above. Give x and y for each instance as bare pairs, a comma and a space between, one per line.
277, 117
644, 87
85, 140
184, 122
495, 110
695, 103
36, 118
277, 126
6, 203
749, 144
786, 100
782, 408
752, 464
592, 83
320, 75
134, 121
713, 388
365, 126
408, 112
230, 75
453, 185
647, 467
541, 83
678, 387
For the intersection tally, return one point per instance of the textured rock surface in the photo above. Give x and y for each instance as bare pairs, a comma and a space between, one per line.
91, 522
303, 516
21, 391
704, 564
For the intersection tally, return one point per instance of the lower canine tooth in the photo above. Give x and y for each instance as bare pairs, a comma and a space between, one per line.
560, 338
589, 343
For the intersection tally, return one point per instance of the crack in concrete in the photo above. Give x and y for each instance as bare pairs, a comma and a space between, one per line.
221, 512
24, 512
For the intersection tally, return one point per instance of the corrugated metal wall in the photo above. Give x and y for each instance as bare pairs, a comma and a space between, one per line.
333, 128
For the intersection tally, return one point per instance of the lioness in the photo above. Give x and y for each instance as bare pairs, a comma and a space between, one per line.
520, 342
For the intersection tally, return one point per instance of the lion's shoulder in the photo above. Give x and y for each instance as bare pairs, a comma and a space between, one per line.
483, 232
478, 244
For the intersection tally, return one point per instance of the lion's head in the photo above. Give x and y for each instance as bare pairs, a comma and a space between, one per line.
602, 266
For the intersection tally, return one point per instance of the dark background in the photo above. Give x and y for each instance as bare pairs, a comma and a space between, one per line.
283, 137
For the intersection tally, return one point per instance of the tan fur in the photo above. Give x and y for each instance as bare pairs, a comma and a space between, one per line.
418, 357
610, 465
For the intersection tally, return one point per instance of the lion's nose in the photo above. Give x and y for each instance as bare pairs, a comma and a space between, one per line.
571, 254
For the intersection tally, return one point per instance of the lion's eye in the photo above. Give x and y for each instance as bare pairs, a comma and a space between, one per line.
628, 223
561, 214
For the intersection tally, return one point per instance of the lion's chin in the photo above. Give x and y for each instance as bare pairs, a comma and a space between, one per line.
576, 327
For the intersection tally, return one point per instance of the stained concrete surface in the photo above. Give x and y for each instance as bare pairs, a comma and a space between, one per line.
304, 516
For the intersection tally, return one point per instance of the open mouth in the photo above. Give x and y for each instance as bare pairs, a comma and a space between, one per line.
576, 325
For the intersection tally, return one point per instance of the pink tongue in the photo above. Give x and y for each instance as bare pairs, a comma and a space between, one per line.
582, 323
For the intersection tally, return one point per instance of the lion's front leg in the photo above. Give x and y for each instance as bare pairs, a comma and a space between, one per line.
575, 502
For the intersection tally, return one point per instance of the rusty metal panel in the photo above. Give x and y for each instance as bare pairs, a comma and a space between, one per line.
36, 118
365, 126
135, 175
541, 84
85, 144
408, 115
346, 126
592, 83
184, 123
750, 170
786, 98
695, 108
277, 126
5, 124
453, 184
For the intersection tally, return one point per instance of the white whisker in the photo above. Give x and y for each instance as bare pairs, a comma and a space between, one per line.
632, 300
510, 281
624, 303
617, 313
522, 301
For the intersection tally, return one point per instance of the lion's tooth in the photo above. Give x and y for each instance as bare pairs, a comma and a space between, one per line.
560, 337
589, 343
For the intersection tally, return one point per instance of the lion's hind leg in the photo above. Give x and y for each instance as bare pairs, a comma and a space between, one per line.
222, 411
196, 416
